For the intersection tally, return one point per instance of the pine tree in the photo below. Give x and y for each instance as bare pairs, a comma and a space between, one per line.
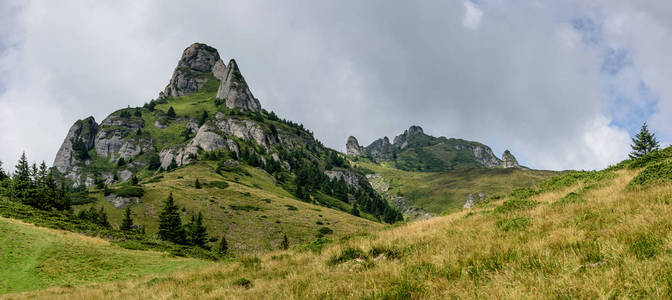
197, 184
22, 183
171, 112
121, 162
127, 222
134, 180
170, 223
102, 218
285, 242
154, 162
223, 246
198, 235
355, 210
644, 142
173, 165
3, 175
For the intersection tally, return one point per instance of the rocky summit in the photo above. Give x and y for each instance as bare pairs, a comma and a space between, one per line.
413, 150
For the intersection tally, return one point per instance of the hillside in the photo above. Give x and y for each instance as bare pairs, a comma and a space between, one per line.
245, 205
422, 194
34, 258
591, 235
414, 150
263, 177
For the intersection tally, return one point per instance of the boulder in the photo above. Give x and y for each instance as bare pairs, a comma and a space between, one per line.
509, 161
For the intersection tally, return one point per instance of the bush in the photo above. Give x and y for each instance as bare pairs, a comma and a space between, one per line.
517, 224
128, 191
390, 252
325, 230
347, 254
659, 172
243, 282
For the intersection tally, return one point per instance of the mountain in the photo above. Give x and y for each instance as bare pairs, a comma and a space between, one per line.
261, 176
582, 235
414, 150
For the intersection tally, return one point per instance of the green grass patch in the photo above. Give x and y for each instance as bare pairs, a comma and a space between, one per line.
646, 245
654, 173
514, 224
346, 255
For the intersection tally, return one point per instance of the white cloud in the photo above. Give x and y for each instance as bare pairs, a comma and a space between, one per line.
472, 15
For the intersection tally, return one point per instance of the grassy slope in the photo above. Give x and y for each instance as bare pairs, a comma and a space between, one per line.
613, 241
33, 257
262, 211
446, 192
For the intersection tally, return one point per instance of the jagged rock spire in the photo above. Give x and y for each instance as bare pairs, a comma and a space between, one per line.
187, 78
509, 161
234, 90
82, 132
352, 147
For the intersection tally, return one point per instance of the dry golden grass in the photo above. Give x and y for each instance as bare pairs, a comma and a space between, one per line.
616, 244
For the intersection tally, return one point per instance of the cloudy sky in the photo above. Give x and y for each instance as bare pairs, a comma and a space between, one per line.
562, 84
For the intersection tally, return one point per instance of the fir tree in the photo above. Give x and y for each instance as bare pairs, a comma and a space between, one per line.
127, 222
223, 246
22, 183
171, 113
197, 184
154, 162
134, 180
355, 210
3, 175
102, 218
170, 223
173, 165
643, 143
121, 162
198, 235
285, 242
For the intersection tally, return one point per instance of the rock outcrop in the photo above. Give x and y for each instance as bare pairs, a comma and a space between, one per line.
482, 153
192, 70
509, 161
416, 151
82, 133
352, 147
234, 90
350, 178
473, 199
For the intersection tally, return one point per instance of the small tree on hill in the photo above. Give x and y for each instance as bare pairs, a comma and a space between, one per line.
198, 235
171, 112
197, 184
285, 242
102, 218
170, 223
173, 165
644, 142
22, 183
127, 222
355, 210
154, 162
223, 246
134, 180
3, 175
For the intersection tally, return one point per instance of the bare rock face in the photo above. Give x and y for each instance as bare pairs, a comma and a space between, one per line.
235, 91
402, 140
483, 154
244, 129
381, 149
352, 147
191, 72
351, 179
84, 131
509, 161
473, 199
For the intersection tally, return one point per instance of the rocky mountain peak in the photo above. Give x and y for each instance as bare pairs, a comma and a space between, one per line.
191, 72
352, 146
509, 161
235, 91
415, 130
402, 140
79, 140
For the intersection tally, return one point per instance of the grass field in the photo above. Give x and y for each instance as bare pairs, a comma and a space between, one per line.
584, 239
248, 208
33, 257
446, 192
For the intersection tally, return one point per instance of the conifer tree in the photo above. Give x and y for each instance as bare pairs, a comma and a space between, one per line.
644, 142
198, 235
22, 183
154, 162
285, 242
134, 180
170, 223
171, 112
173, 165
127, 222
102, 218
3, 175
197, 184
223, 246
355, 210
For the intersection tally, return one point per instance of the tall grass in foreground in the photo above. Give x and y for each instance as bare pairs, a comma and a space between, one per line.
614, 243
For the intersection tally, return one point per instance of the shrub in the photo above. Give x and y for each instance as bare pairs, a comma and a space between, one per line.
347, 254
517, 224
390, 252
243, 282
571, 197
128, 191
657, 172
325, 230
291, 207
